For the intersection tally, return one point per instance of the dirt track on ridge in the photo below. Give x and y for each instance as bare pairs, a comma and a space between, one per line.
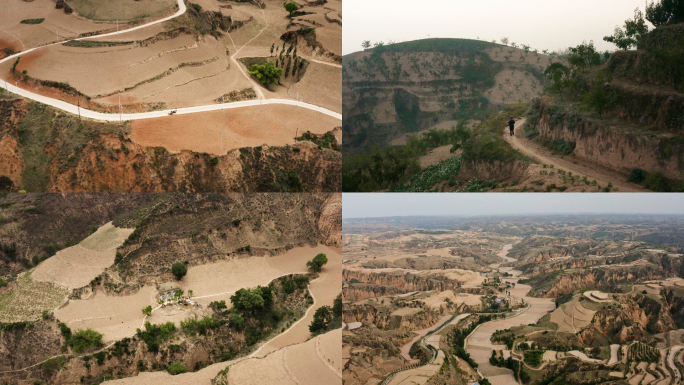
578, 167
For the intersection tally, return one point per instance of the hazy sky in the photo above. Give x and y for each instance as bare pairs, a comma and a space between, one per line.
357, 205
542, 24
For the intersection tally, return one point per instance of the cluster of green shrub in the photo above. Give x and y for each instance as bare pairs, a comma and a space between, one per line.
22, 325
84, 339
94, 44
327, 318
32, 21
389, 166
153, 335
655, 181
326, 140
518, 372
427, 178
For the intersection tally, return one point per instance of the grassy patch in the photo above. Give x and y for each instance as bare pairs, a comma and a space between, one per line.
28, 301
558, 146
655, 181
429, 177
440, 45
90, 43
44, 128
122, 10
487, 143
32, 21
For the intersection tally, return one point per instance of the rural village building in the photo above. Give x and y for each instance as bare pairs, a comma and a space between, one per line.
167, 290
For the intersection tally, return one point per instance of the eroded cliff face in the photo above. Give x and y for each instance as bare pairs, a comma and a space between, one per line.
42, 150
23, 345
330, 221
383, 319
493, 170
606, 280
132, 168
633, 317
617, 148
202, 228
408, 282
675, 304
358, 292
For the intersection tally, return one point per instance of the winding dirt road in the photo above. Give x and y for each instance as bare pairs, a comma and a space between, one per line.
535, 151
154, 114
479, 343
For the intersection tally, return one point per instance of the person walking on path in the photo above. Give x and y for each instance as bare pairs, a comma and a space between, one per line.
511, 125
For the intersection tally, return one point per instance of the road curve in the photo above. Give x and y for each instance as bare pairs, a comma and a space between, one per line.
146, 115
577, 166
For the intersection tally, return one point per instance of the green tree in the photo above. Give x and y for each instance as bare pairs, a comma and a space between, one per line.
366, 44
322, 317
669, 58
337, 306
291, 6
635, 31
176, 368
246, 299
559, 76
83, 339
665, 12
237, 321
597, 97
272, 47
583, 56
147, 311
179, 270
317, 262
190, 293
267, 73
178, 294
289, 286
218, 305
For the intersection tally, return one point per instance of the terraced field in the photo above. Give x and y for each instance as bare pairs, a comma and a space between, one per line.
30, 299
76, 266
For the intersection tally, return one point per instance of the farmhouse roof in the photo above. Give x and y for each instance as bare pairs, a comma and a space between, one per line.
168, 286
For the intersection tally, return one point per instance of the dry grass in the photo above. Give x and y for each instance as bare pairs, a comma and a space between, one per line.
218, 132
122, 10
29, 300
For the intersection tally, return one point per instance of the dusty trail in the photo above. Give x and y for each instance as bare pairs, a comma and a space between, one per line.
535, 151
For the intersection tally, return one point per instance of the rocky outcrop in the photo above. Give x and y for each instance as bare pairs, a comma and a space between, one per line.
408, 282
382, 319
358, 292
330, 220
675, 304
104, 159
602, 279
634, 317
620, 149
